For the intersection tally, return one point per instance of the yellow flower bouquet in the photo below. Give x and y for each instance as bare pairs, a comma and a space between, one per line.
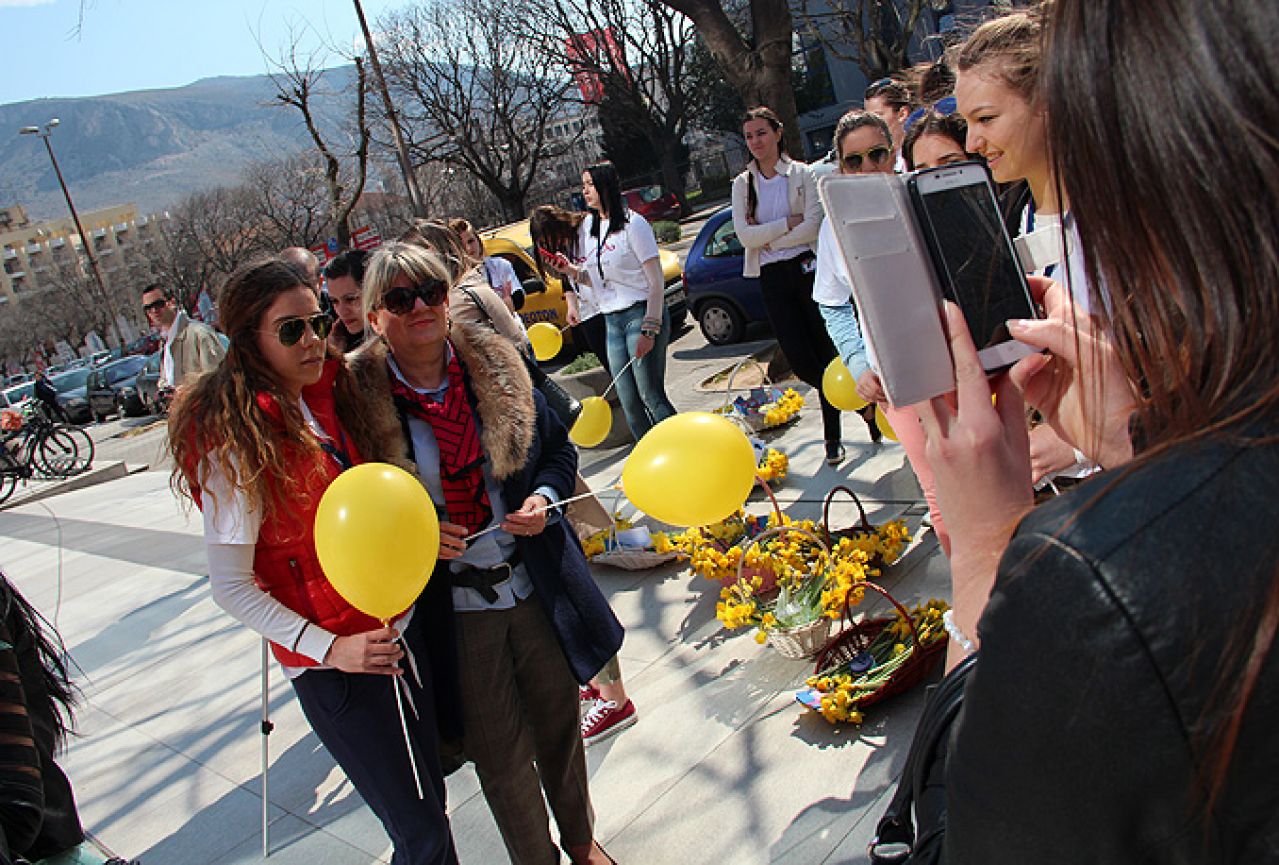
814, 585
630, 547
875, 659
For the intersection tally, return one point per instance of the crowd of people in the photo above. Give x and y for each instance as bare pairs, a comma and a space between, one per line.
1126, 683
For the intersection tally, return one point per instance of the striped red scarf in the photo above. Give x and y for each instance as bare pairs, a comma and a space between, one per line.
461, 456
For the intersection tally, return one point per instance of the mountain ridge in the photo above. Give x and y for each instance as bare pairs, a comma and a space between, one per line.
152, 147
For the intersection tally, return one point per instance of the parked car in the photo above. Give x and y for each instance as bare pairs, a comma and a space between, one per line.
722, 300
71, 394
653, 203
106, 382
17, 396
98, 358
142, 395
544, 301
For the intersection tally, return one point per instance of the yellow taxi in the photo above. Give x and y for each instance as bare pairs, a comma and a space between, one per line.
544, 299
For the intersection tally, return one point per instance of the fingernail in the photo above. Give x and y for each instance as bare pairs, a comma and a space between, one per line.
1015, 324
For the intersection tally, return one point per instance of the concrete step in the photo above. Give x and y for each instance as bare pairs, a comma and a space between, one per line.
98, 473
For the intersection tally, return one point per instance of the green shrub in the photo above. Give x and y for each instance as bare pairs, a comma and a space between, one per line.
667, 232
581, 363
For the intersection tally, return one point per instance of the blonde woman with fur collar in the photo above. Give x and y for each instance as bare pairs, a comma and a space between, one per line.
513, 602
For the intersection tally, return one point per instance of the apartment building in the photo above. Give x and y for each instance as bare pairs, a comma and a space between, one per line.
35, 254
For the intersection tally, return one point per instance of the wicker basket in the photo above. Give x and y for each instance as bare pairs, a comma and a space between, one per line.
629, 559
863, 527
801, 641
857, 638
766, 575
753, 420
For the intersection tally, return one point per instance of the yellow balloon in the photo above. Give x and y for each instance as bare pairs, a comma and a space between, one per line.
881, 421
377, 537
546, 339
593, 423
840, 388
691, 469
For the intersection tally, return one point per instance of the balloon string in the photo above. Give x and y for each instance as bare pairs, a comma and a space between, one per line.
497, 526
396, 682
616, 377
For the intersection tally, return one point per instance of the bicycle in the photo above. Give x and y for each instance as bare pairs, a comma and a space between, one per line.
42, 448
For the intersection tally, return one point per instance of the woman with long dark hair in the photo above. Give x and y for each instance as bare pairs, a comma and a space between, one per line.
776, 214
621, 276
1125, 698
556, 231
38, 816
255, 443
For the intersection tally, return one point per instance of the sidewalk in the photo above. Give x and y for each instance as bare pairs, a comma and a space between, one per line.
723, 766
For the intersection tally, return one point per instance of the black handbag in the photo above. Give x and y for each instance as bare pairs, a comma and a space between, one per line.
914, 824
566, 406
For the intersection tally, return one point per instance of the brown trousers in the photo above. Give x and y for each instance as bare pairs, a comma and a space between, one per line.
520, 711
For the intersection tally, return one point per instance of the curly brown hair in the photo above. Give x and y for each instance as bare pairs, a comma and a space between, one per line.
218, 421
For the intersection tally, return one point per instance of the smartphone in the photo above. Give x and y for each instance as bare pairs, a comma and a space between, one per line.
557, 259
895, 291
974, 258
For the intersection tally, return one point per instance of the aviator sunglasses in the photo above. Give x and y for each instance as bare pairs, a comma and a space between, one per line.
291, 330
400, 301
877, 155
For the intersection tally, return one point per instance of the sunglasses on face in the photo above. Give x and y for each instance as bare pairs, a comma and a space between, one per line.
400, 301
155, 305
877, 155
291, 330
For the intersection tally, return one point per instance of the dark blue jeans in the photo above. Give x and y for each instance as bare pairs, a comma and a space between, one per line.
642, 388
356, 718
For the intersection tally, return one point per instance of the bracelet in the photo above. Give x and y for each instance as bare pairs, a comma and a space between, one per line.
948, 622
651, 334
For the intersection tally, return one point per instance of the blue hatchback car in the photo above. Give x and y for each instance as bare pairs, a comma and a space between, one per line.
722, 300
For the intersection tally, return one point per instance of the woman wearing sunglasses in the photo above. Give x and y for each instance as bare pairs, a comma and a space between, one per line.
859, 136
776, 214
255, 444
516, 605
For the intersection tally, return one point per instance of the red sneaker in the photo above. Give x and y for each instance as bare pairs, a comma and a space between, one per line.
587, 693
606, 718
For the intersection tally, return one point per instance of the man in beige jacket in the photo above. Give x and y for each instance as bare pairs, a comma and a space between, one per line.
190, 347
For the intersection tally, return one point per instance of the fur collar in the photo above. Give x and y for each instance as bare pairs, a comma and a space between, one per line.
497, 378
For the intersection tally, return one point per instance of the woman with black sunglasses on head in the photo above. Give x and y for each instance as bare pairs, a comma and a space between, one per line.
342, 278
776, 214
255, 444
516, 606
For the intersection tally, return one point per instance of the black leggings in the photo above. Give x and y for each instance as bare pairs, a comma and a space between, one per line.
800, 330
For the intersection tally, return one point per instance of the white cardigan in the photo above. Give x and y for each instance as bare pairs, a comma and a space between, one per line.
801, 188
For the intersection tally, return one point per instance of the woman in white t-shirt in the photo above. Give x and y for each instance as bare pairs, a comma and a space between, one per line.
997, 72
255, 444
776, 215
622, 277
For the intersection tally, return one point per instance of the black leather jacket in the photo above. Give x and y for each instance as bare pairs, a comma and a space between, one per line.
1119, 623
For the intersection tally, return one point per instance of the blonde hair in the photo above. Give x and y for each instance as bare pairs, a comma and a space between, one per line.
401, 259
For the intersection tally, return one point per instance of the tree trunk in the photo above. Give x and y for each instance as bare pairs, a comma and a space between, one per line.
672, 177
762, 75
512, 205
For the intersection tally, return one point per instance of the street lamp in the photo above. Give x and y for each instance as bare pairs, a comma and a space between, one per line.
44, 132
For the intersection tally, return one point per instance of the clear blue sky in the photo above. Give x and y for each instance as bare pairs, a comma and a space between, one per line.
141, 44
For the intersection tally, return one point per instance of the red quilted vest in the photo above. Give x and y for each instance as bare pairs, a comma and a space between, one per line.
285, 565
